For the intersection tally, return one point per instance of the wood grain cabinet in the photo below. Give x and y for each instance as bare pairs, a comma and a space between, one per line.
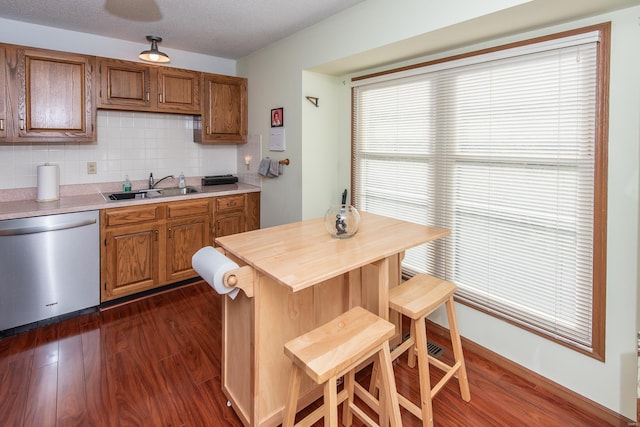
230, 215
224, 111
235, 214
130, 250
48, 96
124, 85
252, 221
178, 90
151, 245
3, 97
132, 86
188, 229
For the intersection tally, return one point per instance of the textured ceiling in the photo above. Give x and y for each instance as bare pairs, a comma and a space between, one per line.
223, 28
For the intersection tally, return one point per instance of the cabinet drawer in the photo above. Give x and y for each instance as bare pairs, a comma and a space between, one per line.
230, 203
180, 209
132, 215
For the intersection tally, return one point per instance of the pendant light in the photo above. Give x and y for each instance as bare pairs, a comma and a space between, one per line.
154, 55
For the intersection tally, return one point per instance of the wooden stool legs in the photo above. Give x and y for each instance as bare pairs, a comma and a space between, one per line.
419, 328
416, 299
334, 350
459, 367
289, 414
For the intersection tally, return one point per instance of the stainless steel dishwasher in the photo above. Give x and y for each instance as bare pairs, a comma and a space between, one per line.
49, 267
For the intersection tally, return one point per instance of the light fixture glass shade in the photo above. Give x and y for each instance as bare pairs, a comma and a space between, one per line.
153, 54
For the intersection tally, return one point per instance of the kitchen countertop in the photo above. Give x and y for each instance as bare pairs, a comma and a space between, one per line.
12, 209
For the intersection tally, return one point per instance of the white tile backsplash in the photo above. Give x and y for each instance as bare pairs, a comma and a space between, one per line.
129, 143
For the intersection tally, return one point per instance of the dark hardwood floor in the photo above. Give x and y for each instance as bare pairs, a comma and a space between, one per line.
156, 362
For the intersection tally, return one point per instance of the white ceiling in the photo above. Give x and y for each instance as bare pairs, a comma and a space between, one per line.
223, 28
235, 28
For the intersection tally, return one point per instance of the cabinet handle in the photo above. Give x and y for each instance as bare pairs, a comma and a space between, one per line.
160, 98
21, 124
1, 124
207, 130
148, 97
169, 233
230, 204
156, 233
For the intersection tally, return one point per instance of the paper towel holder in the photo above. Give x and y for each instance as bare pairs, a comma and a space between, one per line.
242, 278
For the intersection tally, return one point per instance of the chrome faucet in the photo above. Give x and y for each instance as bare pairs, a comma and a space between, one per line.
152, 183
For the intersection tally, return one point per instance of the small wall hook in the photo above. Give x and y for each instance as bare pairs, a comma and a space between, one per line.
313, 100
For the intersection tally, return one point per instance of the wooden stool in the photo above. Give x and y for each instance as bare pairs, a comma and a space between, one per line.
336, 349
417, 298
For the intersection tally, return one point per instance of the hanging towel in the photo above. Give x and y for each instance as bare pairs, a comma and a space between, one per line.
274, 169
263, 169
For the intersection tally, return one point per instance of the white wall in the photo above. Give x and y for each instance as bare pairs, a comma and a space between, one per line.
276, 80
326, 159
127, 143
279, 76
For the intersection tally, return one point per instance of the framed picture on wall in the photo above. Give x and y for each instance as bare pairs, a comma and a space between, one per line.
277, 117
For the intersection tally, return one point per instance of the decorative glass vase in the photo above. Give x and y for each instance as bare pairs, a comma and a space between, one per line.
342, 221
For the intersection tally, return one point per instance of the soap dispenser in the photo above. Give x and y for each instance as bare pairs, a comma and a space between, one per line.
126, 185
181, 181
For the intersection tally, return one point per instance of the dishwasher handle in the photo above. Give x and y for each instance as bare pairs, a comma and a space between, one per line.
44, 228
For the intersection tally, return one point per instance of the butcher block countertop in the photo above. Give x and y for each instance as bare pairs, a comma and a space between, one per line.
301, 254
21, 203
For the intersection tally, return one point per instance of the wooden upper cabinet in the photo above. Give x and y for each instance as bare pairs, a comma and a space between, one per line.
224, 112
50, 95
178, 90
132, 86
124, 85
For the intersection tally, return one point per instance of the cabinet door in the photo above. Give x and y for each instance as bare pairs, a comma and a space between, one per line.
178, 90
124, 85
131, 260
224, 116
55, 95
185, 238
3, 98
253, 211
230, 223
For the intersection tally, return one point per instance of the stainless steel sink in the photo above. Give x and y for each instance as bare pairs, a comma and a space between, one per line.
150, 194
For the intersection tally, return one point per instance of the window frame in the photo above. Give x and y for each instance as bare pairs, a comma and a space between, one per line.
599, 252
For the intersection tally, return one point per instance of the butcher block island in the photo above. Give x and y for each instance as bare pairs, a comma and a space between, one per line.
296, 277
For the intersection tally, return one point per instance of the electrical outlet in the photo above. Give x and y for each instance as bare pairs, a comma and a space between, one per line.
92, 168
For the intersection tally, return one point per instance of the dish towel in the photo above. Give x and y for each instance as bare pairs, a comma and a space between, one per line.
263, 169
274, 168
270, 168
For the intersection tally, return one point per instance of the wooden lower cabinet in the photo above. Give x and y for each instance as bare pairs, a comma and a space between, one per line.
236, 214
252, 220
132, 254
151, 245
188, 229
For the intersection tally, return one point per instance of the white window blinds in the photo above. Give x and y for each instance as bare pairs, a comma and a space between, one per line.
499, 148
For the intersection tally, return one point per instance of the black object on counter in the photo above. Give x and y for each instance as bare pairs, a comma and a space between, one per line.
219, 179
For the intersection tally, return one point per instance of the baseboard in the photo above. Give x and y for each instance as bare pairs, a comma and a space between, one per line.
581, 402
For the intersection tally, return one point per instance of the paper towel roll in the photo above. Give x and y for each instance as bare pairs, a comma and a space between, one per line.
211, 265
48, 183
